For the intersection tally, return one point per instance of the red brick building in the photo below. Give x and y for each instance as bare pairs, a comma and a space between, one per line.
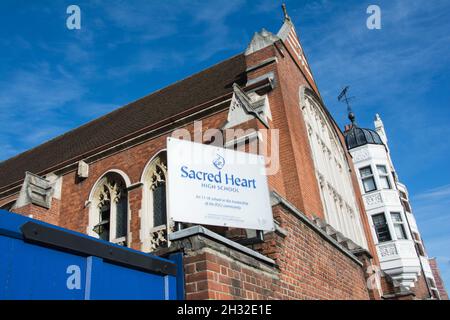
107, 179
438, 279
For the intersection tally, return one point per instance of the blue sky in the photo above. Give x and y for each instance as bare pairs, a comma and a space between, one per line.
53, 79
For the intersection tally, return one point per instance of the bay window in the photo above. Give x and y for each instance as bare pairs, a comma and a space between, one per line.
368, 179
381, 227
384, 177
398, 225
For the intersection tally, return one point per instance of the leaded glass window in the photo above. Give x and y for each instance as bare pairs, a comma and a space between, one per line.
159, 205
155, 223
104, 224
368, 179
122, 217
157, 176
384, 177
398, 225
112, 204
381, 227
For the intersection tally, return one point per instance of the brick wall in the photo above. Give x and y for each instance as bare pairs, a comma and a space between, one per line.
297, 176
211, 275
420, 289
43, 214
132, 161
387, 286
307, 266
312, 267
437, 277
297, 181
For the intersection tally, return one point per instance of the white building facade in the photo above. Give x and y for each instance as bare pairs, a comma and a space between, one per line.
332, 173
394, 229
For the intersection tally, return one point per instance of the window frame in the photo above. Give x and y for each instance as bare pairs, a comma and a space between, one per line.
418, 244
367, 177
157, 174
386, 225
160, 185
154, 177
122, 204
384, 176
104, 215
401, 223
110, 197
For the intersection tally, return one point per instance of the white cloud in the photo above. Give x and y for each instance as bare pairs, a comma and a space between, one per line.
38, 89
438, 193
33, 104
148, 21
431, 209
8, 150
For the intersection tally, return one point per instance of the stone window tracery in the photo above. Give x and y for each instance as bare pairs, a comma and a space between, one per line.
158, 188
332, 172
156, 225
109, 210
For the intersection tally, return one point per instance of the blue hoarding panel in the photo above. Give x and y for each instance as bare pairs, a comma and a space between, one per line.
40, 261
117, 282
33, 272
178, 259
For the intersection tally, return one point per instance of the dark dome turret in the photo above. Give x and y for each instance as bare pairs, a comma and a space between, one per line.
356, 137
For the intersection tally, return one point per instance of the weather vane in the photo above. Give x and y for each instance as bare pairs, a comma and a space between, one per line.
343, 98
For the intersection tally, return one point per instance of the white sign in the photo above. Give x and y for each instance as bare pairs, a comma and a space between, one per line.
216, 186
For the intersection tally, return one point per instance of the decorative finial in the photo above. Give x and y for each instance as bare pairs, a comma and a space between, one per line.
352, 117
286, 16
343, 97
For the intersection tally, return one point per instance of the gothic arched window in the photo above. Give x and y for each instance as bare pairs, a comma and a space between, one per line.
332, 171
155, 224
109, 209
158, 191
